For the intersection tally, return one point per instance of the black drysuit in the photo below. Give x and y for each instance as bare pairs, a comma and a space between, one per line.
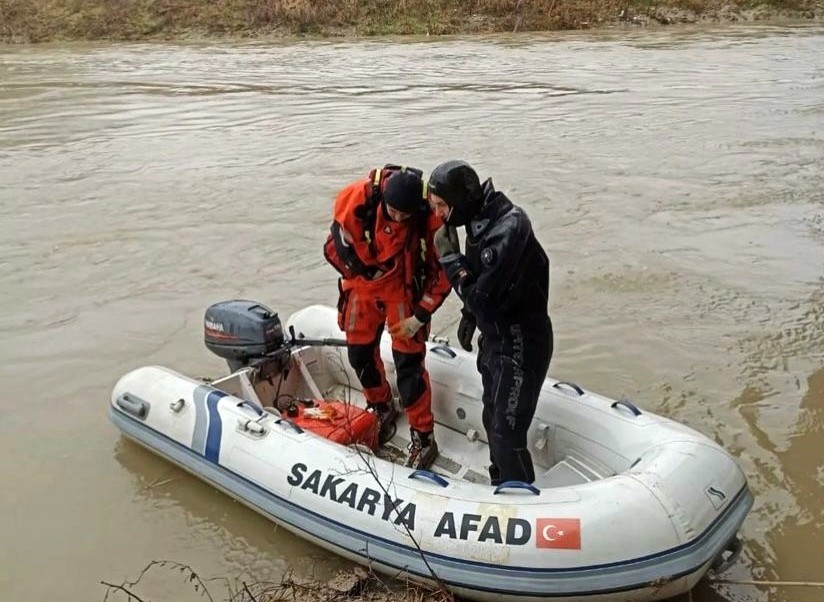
506, 291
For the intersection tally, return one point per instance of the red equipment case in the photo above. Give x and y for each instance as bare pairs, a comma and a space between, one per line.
338, 421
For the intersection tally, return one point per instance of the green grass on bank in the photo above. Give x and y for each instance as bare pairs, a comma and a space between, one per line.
48, 20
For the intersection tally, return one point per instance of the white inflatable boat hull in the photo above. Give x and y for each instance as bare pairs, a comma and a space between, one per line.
627, 505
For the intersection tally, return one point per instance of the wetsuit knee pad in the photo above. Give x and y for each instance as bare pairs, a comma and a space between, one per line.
363, 359
411, 382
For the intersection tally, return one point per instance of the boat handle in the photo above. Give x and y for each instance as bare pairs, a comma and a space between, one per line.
734, 547
249, 404
428, 474
291, 424
572, 386
444, 350
133, 405
628, 405
517, 485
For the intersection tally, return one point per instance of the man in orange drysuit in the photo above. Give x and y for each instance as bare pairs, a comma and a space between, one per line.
382, 244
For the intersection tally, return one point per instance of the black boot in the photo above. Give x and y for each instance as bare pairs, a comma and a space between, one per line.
422, 451
386, 414
494, 475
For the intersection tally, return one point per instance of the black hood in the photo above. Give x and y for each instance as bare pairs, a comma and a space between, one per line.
458, 185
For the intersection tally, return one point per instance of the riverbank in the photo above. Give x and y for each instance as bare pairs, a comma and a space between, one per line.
34, 21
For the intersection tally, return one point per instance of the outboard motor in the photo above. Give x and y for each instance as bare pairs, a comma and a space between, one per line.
247, 333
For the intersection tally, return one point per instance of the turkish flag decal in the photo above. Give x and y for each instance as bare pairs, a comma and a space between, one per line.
564, 533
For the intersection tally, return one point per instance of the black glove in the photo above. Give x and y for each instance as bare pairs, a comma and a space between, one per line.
466, 328
446, 241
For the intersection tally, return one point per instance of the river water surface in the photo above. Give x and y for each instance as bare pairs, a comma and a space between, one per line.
675, 177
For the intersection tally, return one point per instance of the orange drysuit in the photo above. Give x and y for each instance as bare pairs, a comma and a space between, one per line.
389, 271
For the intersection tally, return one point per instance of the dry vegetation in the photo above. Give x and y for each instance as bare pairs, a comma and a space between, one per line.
47, 20
357, 585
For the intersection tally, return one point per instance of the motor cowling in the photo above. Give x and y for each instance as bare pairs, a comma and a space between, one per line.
243, 332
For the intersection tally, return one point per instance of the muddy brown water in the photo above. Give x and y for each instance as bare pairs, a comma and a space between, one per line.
675, 177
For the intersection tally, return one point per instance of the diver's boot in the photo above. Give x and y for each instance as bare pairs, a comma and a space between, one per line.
386, 414
494, 475
422, 451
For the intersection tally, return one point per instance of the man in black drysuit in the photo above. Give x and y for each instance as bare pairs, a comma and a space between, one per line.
503, 280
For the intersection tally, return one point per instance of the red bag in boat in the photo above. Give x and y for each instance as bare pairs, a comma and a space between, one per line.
340, 422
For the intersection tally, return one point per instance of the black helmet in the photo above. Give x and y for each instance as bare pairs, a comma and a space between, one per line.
404, 191
458, 185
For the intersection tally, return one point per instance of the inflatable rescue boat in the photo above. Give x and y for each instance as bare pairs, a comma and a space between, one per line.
626, 505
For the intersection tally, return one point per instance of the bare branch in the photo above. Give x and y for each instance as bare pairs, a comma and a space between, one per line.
113, 586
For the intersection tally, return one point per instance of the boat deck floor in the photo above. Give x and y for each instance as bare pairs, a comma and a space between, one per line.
460, 456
